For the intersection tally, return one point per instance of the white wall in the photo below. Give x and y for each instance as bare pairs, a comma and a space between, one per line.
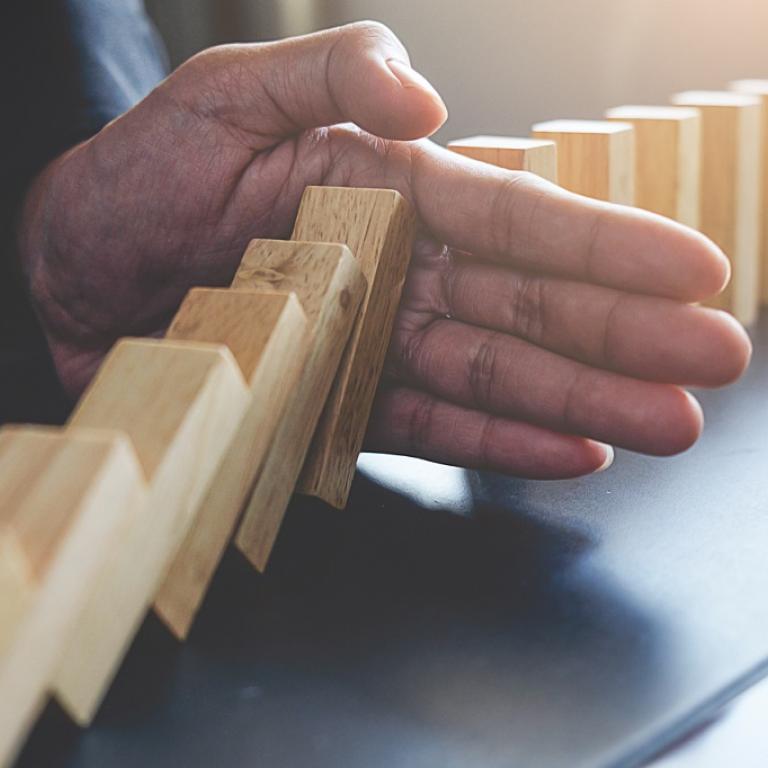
503, 64
190, 25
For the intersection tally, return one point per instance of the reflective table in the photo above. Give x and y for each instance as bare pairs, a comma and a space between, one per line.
449, 618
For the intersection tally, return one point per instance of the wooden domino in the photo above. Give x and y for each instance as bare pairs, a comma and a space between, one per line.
330, 285
759, 89
180, 403
377, 225
595, 158
65, 500
730, 189
513, 154
267, 334
667, 159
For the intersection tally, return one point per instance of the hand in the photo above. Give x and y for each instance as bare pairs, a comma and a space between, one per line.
563, 330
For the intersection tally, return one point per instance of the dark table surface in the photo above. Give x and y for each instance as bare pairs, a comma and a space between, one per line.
448, 618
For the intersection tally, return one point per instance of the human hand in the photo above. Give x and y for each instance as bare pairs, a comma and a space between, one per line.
567, 325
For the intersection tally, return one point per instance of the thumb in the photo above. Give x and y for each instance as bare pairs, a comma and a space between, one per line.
358, 73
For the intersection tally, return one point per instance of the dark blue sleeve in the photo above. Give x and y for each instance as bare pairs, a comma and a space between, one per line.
67, 67
70, 67
120, 58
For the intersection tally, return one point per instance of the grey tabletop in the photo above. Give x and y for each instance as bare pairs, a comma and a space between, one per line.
449, 618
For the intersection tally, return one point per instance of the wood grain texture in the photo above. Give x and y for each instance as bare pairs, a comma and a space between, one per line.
64, 499
16, 585
330, 286
513, 154
759, 89
377, 225
730, 190
667, 159
267, 334
595, 158
180, 403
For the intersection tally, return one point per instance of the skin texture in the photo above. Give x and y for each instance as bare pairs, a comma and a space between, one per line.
536, 326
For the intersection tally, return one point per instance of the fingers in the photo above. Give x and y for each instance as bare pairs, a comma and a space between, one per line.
358, 73
640, 336
500, 374
519, 219
413, 423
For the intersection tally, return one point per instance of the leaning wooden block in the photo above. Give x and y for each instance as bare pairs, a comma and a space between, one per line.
65, 498
667, 159
377, 225
16, 583
268, 336
595, 158
730, 190
759, 89
180, 403
330, 286
514, 154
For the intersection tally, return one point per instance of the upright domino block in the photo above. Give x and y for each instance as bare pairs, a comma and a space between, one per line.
267, 334
667, 159
65, 499
730, 190
595, 158
759, 88
180, 403
330, 286
377, 225
513, 154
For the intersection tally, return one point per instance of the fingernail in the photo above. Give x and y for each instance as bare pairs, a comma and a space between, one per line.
609, 457
410, 78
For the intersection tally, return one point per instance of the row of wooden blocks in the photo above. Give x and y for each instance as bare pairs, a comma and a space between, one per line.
702, 160
256, 390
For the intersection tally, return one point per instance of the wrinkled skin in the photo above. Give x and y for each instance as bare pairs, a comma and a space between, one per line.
536, 328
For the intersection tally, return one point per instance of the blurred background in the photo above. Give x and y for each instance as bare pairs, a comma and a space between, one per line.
502, 65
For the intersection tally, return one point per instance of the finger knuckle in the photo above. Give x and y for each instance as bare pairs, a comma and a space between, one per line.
482, 371
420, 426
611, 346
451, 283
528, 308
486, 441
210, 62
214, 77
369, 30
412, 353
596, 228
505, 209
572, 403
356, 155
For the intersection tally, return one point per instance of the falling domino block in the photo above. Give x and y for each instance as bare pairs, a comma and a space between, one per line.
730, 190
267, 334
514, 154
759, 88
65, 498
594, 157
180, 403
330, 286
377, 225
667, 159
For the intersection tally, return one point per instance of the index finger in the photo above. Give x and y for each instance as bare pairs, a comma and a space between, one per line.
518, 218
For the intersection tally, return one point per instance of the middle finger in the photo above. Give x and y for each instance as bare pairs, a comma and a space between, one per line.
641, 336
